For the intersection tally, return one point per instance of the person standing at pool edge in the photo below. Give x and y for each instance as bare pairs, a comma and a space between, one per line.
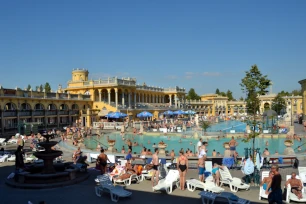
233, 143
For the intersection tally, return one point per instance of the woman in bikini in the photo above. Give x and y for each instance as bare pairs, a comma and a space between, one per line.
182, 167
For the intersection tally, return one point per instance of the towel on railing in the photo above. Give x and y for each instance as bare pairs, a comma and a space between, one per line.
228, 162
248, 167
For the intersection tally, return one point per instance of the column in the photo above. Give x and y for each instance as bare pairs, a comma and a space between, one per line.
163, 99
135, 98
142, 98
175, 100
69, 117
139, 97
2, 122
116, 97
129, 99
18, 117
122, 98
32, 115
45, 119
100, 97
147, 98
170, 97
57, 118
109, 96
226, 110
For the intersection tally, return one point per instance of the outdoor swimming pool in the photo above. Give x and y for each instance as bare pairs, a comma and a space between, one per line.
177, 142
226, 126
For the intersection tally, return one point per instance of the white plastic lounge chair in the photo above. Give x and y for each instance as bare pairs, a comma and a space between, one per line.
106, 186
168, 182
12, 158
129, 180
12, 141
192, 184
208, 197
234, 183
262, 193
2, 141
302, 173
292, 196
3, 158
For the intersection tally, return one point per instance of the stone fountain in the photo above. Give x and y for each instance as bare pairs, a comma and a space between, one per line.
48, 155
47, 174
162, 148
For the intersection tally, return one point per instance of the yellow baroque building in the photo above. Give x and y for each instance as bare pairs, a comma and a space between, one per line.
303, 86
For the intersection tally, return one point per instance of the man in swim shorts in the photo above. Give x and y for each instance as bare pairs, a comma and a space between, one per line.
232, 145
201, 167
155, 162
296, 185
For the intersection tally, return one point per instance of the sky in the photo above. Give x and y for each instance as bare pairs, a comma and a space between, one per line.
165, 43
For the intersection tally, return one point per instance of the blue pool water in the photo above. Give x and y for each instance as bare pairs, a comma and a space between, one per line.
177, 142
226, 126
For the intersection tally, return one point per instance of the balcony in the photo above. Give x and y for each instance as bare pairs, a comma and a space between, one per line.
74, 112
38, 113
10, 113
51, 112
63, 112
25, 113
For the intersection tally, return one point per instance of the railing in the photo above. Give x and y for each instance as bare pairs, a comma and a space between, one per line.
107, 125
148, 88
74, 96
38, 113
51, 95
86, 97
24, 113
51, 112
63, 112
74, 112
10, 113
199, 102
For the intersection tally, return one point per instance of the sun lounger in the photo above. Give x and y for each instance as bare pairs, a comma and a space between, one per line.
129, 180
262, 192
12, 141
192, 184
302, 173
106, 186
3, 158
208, 197
234, 183
12, 158
2, 141
292, 196
168, 182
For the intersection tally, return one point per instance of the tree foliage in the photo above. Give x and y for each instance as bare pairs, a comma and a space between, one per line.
254, 84
241, 99
217, 91
205, 125
47, 87
292, 93
192, 95
41, 88
29, 87
279, 104
229, 95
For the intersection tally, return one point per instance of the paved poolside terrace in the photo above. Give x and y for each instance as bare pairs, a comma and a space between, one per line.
84, 191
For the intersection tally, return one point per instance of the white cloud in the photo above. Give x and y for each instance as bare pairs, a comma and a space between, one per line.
211, 74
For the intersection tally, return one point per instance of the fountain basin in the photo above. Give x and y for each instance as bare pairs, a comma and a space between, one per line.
48, 155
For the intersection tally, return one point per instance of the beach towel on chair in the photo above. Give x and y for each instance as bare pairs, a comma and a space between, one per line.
248, 168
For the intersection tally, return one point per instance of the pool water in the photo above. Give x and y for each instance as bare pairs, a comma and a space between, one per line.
177, 142
226, 126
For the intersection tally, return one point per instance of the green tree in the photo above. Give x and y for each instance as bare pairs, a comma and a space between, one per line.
205, 125
41, 88
241, 99
254, 84
36, 88
229, 95
192, 95
296, 92
29, 87
47, 87
279, 105
217, 91
284, 93
222, 94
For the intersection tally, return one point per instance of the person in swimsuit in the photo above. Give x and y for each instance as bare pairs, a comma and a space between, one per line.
232, 145
129, 143
182, 166
155, 162
201, 167
264, 183
296, 185
216, 174
102, 161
